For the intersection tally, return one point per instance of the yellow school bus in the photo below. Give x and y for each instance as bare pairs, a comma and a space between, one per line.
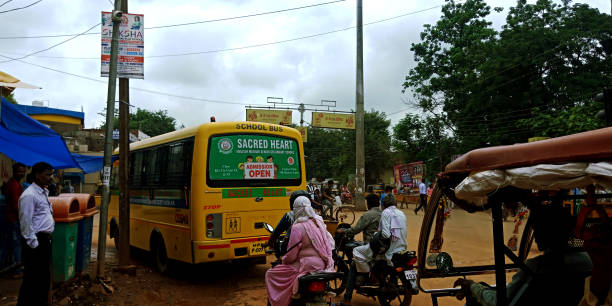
203, 194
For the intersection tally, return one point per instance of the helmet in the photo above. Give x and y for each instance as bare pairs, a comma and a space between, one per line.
298, 193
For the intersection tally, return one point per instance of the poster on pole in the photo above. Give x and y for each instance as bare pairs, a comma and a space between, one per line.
304, 132
282, 117
333, 120
130, 58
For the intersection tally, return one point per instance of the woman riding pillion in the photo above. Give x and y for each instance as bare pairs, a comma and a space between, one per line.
309, 249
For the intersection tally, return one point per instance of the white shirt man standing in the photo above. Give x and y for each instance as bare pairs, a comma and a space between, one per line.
37, 225
422, 195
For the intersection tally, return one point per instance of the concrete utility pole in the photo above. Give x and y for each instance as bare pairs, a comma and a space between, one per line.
124, 160
359, 123
108, 145
301, 109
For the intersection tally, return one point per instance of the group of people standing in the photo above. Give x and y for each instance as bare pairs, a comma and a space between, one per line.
29, 224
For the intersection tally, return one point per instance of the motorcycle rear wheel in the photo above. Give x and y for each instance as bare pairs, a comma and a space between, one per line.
337, 286
401, 293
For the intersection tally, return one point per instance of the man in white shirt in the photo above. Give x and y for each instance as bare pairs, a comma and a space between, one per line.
393, 227
422, 195
37, 225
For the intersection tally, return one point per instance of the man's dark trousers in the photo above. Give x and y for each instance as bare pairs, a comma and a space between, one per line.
423, 202
37, 272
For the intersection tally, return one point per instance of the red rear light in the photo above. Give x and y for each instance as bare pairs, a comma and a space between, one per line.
209, 218
209, 226
411, 261
316, 287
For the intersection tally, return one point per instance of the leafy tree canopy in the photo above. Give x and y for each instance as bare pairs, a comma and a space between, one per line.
535, 77
331, 153
151, 123
10, 97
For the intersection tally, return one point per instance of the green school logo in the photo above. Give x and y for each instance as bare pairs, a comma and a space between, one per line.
226, 146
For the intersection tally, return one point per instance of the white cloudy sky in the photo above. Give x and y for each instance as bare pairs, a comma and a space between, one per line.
306, 70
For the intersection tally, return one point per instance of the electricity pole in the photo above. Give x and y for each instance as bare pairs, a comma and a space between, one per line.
359, 123
124, 159
108, 145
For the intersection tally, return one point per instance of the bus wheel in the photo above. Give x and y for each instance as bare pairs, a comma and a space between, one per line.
158, 251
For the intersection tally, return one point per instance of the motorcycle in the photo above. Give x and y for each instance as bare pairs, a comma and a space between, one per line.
384, 283
313, 287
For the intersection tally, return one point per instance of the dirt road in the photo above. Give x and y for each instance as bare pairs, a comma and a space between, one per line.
467, 238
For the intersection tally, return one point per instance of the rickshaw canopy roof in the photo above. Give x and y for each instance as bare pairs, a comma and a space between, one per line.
588, 146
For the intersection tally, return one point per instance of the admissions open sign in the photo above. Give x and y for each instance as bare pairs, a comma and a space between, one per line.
259, 170
130, 58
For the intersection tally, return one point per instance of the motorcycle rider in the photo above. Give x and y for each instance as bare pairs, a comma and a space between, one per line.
284, 225
393, 227
368, 223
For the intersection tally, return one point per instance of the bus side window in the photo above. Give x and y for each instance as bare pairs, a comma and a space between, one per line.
175, 165
136, 169
150, 169
114, 179
162, 161
187, 157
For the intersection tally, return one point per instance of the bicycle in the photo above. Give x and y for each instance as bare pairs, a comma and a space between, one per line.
344, 213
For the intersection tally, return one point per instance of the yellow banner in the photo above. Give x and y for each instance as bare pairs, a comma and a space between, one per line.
269, 116
333, 120
304, 132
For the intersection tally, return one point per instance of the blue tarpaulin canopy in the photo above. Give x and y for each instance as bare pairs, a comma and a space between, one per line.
28, 141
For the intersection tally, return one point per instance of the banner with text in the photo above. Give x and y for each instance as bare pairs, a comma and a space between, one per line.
304, 132
333, 120
253, 156
130, 58
269, 116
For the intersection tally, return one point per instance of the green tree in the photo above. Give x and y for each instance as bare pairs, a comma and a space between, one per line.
501, 88
424, 139
10, 97
331, 153
151, 123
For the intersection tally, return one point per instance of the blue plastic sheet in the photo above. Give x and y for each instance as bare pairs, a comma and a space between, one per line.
28, 141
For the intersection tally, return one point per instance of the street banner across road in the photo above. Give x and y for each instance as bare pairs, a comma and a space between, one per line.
269, 116
130, 59
333, 120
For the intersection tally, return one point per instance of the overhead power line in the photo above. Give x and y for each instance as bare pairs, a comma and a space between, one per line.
53, 46
133, 88
257, 45
187, 23
5, 2
18, 8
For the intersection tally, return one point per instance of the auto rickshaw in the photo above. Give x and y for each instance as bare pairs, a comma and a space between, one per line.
537, 173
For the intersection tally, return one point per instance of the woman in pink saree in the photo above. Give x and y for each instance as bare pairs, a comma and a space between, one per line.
309, 249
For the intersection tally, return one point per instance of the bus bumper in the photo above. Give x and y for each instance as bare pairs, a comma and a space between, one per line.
220, 250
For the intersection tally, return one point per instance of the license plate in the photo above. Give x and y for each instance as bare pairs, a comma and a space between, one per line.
257, 248
410, 274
